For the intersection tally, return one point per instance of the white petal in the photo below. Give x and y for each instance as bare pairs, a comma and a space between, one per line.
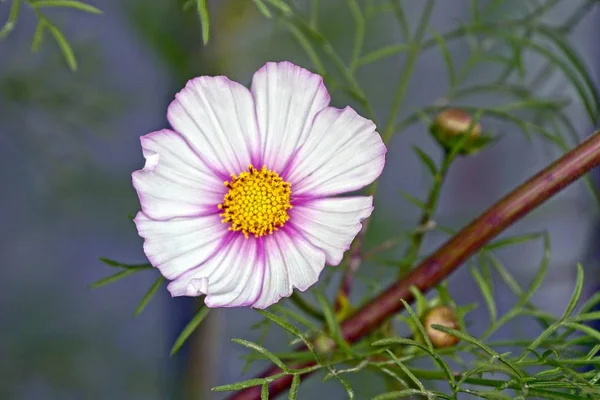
231, 278
332, 223
174, 182
178, 245
217, 118
342, 153
287, 99
290, 261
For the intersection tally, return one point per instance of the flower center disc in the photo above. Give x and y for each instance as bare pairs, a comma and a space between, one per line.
257, 202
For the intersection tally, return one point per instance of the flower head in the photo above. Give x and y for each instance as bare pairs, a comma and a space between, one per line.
239, 201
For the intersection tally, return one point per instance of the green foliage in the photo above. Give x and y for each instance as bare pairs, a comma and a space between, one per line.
45, 25
549, 365
189, 329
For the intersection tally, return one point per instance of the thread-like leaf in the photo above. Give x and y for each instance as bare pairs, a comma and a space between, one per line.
117, 264
512, 240
190, 328
400, 394
13, 15
410, 342
470, 339
290, 328
78, 5
38, 37
382, 53
149, 295
64, 45
404, 369
345, 384
576, 293
447, 56
417, 323
202, 9
262, 7
486, 291
293, 395
113, 278
426, 160
240, 385
332, 323
264, 392
261, 350
413, 200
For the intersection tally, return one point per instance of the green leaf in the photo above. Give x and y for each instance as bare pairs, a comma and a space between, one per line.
282, 6
240, 385
411, 199
585, 329
288, 327
512, 240
345, 384
262, 7
112, 278
398, 340
266, 353
447, 56
576, 61
486, 291
78, 5
264, 392
418, 325
400, 394
410, 342
404, 369
64, 45
422, 304
149, 295
13, 15
566, 69
332, 324
359, 37
382, 53
470, 339
486, 395
190, 328
293, 395
202, 8
426, 159
116, 264
187, 5
38, 37
576, 293
540, 275
285, 311
402, 19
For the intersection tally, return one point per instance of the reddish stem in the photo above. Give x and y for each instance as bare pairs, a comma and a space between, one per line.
460, 247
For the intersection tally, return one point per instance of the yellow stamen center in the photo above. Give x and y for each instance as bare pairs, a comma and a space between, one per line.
257, 202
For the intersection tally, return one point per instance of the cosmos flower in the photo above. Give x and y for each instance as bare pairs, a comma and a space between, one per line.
240, 201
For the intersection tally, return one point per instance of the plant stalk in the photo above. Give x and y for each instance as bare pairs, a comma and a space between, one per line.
455, 251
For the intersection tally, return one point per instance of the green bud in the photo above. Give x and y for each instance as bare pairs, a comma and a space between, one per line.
454, 127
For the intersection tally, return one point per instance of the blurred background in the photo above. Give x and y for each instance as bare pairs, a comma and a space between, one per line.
70, 140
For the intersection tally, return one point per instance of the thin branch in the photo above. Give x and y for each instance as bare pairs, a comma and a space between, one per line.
412, 253
459, 248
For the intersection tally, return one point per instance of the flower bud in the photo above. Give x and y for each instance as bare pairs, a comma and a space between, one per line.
323, 344
440, 315
450, 128
454, 122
